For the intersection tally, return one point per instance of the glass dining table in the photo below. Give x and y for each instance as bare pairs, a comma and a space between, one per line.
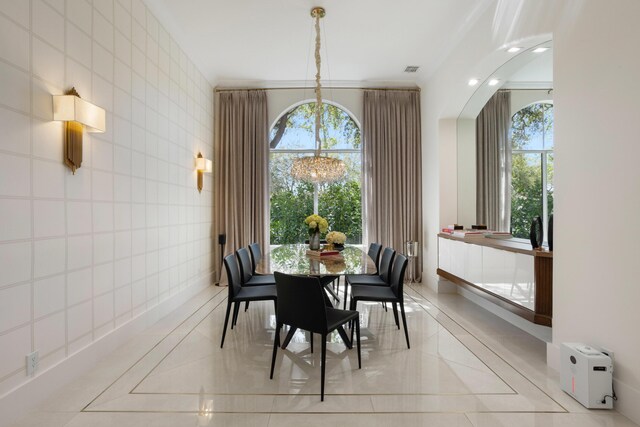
293, 259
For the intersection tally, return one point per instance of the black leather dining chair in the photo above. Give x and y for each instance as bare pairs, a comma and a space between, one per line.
256, 256
302, 304
248, 278
380, 279
374, 254
393, 293
239, 293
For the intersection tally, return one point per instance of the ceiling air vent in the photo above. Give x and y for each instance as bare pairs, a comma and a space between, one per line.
411, 69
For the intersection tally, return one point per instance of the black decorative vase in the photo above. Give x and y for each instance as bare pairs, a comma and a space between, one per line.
535, 234
550, 232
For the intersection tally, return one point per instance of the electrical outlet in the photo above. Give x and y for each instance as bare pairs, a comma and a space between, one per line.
33, 360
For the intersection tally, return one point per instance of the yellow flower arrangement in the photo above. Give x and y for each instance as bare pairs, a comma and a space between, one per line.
316, 224
336, 237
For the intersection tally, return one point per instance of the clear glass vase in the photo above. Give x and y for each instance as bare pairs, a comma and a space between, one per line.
314, 241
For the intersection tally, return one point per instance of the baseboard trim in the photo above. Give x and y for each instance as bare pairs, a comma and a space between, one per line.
26, 397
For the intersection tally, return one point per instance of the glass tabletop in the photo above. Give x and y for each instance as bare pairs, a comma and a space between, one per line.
293, 259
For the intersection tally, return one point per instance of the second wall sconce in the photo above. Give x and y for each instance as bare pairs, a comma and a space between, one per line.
202, 166
78, 115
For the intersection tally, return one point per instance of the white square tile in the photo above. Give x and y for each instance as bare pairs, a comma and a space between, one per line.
14, 88
48, 139
79, 320
102, 62
49, 333
102, 93
138, 267
79, 185
102, 33
15, 306
48, 24
138, 91
16, 219
15, 176
122, 20
104, 329
14, 43
138, 216
48, 218
102, 185
16, 129
122, 219
152, 263
102, 309
48, 63
102, 248
79, 76
48, 179
105, 7
58, 5
122, 103
49, 257
41, 100
122, 76
122, 193
152, 288
138, 189
79, 252
15, 262
48, 295
138, 293
79, 46
79, 12
123, 300
78, 217
122, 272
17, 10
103, 278
138, 138
15, 345
138, 241
122, 161
102, 156
138, 35
102, 217
122, 132
79, 286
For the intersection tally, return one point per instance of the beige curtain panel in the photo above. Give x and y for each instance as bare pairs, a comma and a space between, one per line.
393, 169
493, 163
242, 150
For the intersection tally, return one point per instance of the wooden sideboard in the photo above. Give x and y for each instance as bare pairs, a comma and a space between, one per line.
505, 272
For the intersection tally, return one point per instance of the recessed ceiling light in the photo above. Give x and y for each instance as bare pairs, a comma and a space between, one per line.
473, 82
514, 49
493, 82
540, 49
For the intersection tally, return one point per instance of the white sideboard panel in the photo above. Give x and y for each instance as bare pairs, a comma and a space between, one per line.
444, 254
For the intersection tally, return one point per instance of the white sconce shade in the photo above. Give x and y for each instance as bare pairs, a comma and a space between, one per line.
70, 108
204, 165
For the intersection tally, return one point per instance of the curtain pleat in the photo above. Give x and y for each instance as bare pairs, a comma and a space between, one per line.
493, 163
392, 158
241, 169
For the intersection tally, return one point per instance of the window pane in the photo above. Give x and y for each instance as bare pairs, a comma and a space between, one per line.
548, 127
526, 192
528, 128
549, 183
295, 130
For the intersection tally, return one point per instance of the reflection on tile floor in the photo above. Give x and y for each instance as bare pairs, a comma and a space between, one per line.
463, 369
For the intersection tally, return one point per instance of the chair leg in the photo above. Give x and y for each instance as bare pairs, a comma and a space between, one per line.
404, 323
226, 320
357, 322
346, 286
323, 366
395, 314
276, 344
352, 306
311, 340
246, 305
236, 310
384, 305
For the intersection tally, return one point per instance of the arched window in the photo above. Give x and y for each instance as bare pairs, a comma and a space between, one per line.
292, 201
531, 167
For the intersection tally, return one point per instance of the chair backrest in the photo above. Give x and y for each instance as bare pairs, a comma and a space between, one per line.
397, 275
233, 275
244, 259
301, 302
256, 255
384, 269
374, 254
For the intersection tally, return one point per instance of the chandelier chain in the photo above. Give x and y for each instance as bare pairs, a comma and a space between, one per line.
318, 85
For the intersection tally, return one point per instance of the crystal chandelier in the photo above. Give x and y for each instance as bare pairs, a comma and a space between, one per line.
318, 169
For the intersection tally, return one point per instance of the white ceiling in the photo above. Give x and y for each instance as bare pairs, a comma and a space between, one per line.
258, 41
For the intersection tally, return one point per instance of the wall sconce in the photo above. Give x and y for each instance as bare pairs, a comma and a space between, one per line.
202, 166
77, 114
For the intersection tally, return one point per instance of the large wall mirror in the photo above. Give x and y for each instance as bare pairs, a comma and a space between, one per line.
505, 145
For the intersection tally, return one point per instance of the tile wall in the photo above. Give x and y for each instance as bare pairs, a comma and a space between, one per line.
80, 255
